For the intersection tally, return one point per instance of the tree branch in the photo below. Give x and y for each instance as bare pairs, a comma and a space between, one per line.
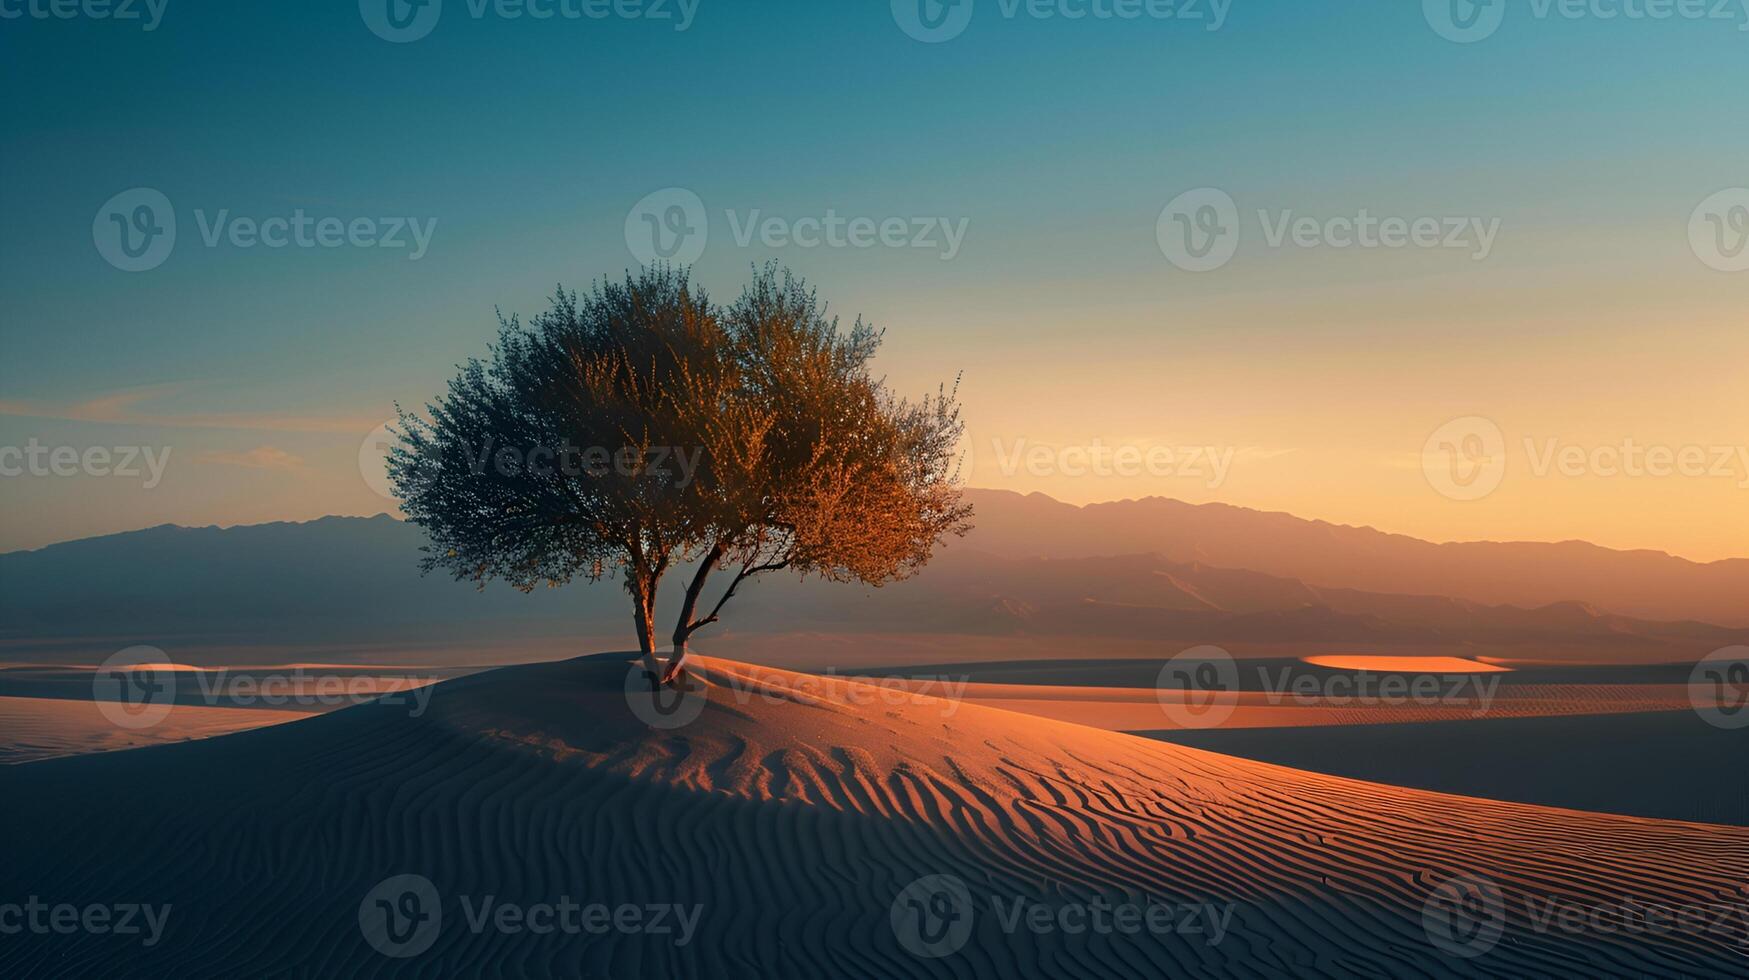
746, 572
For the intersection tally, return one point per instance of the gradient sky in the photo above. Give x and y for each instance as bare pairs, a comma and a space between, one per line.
1322, 371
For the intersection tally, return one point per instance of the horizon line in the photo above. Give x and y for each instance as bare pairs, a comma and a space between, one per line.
986, 490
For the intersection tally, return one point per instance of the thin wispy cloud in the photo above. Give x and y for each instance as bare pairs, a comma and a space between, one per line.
259, 458
122, 408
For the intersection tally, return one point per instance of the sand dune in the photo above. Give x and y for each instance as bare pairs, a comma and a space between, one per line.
796, 816
46, 728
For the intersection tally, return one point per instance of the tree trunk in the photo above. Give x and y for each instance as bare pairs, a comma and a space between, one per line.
688, 608
673, 672
643, 615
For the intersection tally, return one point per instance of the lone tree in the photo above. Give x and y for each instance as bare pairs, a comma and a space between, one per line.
641, 428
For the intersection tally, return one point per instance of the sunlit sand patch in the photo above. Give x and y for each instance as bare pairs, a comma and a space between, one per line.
1413, 665
48, 711
46, 728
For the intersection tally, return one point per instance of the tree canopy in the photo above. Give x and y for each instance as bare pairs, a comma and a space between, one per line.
640, 428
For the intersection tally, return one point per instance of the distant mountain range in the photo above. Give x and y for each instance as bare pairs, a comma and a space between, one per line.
1144, 570
1644, 584
1143, 597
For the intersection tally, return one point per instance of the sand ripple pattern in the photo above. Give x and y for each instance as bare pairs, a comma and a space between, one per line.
792, 813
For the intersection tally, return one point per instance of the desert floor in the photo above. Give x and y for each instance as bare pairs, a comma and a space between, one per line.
822, 826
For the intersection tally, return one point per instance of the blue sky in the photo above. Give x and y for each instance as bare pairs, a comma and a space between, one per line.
1056, 141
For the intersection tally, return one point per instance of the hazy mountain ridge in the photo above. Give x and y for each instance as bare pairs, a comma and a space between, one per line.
351, 572
1642, 584
1149, 596
342, 578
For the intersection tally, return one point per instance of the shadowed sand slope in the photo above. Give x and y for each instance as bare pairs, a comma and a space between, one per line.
789, 816
1664, 764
